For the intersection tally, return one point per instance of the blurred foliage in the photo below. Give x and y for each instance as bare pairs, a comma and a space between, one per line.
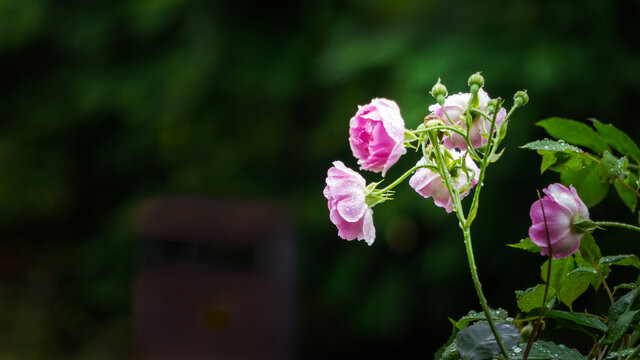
105, 103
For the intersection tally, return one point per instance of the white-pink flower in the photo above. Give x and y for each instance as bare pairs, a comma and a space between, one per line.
348, 210
562, 206
455, 106
429, 183
376, 135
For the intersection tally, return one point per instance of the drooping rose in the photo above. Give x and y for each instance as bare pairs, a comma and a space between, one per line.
562, 208
376, 135
348, 209
429, 183
455, 106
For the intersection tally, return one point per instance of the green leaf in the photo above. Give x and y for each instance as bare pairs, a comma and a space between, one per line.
561, 161
496, 315
552, 145
621, 314
589, 249
449, 351
532, 297
610, 167
622, 260
629, 286
620, 354
548, 159
495, 157
628, 196
575, 284
476, 342
603, 269
578, 318
543, 350
587, 183
559, 269
618, 140
574, 132
526, 244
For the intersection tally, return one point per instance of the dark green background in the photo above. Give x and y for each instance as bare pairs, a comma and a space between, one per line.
106, 103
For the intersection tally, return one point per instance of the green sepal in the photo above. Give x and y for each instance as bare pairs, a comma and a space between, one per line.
582, 225
528, 245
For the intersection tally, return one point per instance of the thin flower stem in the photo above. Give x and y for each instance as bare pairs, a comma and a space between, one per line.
478, 285
446, 177
483, 167
405, 175
617, 224
442, 127
476, 197
466, 230
606, 286
464, 134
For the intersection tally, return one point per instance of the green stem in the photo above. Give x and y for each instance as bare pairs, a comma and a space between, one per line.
405, 175
446, 177
466, 230
476, 282
617, 224
476, 197
483, 167
443, 127
464, 134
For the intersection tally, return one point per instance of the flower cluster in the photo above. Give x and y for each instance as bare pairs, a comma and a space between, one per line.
455, 105
378, 138
457, 141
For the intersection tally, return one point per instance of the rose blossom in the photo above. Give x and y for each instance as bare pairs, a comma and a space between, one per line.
562, 207
429, 183
455, 106
348, 209
376, 135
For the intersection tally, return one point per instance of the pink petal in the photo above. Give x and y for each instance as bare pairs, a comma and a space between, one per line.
368, 230
346, 230
557, 233
564, 197
553, 211
352, 208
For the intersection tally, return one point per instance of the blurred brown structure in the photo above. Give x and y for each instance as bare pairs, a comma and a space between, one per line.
215, 280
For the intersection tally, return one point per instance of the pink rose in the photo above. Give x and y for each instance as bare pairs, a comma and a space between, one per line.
455, 106
348, 210
376, 135
561, 206
428, 183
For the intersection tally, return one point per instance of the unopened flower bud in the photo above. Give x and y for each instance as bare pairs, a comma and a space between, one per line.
439, 91
476, 79
521, 98
492, 105
526, 331
434, 123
